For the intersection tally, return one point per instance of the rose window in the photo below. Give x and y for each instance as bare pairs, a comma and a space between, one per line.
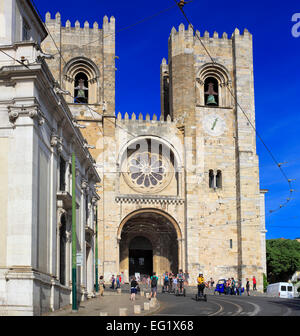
148, 171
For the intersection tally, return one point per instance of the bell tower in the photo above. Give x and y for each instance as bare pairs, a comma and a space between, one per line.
209, 100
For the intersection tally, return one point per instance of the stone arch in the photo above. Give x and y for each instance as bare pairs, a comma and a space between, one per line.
149, 165
155, 138
165, 235
223, 78
151, 210
87, 67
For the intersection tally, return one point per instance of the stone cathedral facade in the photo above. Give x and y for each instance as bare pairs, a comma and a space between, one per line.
179, 190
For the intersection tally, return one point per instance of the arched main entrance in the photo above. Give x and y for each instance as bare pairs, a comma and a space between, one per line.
149, 242
140, 256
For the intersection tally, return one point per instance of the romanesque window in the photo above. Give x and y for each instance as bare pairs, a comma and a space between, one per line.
211, 89
147, 169
215, 179
219, 179
148, 166
212, 84
82, 78
211, 179
81, 90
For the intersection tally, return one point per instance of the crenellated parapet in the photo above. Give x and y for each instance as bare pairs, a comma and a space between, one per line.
85, 51
108, 25
139, 118
184, 40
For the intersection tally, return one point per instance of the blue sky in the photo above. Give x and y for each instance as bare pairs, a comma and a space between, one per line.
276, 74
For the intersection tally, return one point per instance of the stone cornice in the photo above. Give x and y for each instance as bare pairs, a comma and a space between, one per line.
143, 199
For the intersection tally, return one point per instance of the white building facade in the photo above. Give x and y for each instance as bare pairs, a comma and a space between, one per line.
37, 139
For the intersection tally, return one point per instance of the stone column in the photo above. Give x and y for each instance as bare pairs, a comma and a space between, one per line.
68, 257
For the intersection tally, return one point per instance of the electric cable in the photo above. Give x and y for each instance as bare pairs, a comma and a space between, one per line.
22, 63
180, 6
134, 135
117, 31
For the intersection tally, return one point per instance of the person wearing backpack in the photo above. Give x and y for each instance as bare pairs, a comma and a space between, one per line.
154, 281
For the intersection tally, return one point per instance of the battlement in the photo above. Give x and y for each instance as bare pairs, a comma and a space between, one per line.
108, 24
188, 36
140, 118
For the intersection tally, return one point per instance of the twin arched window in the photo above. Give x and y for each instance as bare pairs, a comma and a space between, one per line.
215, 179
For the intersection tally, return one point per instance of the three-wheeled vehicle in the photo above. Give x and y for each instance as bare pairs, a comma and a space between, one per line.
220, 287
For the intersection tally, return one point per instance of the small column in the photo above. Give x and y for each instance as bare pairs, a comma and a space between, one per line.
180, 259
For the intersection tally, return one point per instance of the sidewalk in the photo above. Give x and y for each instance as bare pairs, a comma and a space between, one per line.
110, 303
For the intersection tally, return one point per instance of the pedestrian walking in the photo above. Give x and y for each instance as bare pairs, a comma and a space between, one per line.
154, 282
113, 282
133, 288
239, 287
254, 283
122, 278
212, 283
101, 285
118, 281
248, 286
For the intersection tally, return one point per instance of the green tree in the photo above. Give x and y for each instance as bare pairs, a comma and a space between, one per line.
283, 259
265, 282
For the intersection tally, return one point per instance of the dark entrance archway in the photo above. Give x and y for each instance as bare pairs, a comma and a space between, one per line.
149, 242
140, 256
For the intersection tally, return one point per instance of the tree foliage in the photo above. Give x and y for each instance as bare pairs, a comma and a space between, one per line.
283, 259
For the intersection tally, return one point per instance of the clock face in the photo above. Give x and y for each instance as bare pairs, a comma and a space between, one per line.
214, 124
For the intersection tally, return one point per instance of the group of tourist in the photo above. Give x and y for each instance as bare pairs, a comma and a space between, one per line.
118, 280
234, 287
170, 282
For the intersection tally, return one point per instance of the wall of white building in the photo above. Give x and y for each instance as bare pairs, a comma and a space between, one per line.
36, 130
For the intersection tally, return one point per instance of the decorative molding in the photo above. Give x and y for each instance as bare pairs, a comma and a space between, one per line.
84, 185
142, 199
56, 141
32, 111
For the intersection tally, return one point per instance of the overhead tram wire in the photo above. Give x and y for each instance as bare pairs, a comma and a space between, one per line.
219, 200
117, 31
144, 20
180, 5
22, 63
126, 27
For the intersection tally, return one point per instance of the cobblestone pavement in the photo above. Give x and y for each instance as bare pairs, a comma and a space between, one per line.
109, 303
112, 301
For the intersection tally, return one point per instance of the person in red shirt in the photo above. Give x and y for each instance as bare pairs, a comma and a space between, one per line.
254, 283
